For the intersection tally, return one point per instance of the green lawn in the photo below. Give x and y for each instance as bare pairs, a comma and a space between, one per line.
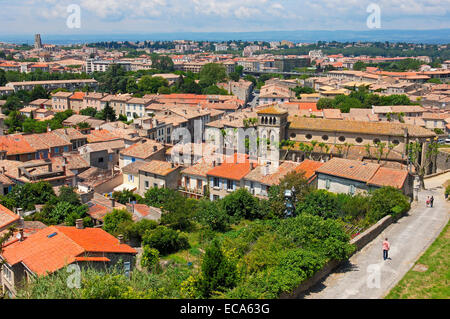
433, 283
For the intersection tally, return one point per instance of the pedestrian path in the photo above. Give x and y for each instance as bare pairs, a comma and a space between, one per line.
366, 275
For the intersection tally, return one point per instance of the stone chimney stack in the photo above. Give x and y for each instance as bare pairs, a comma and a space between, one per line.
79, 223
121, 240
21, 234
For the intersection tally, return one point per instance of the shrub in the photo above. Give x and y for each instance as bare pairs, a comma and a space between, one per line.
135, 230
150, 258
321, 203
385, 201
165, 240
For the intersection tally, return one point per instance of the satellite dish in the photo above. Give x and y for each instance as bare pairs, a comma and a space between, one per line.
18, 236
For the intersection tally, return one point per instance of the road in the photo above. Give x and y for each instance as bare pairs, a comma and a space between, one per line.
366, 275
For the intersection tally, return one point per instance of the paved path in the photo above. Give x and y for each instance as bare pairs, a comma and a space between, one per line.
409, 237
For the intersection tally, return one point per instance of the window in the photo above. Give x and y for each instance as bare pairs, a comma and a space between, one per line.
147, 184
342, 138
359, 140
215, 197
293, 135
130, 178
56, 149
66, 148
395, 142
216, 182
308, 136
376, 141
230, 184
100, 160
7, 273
325, 137
327, 184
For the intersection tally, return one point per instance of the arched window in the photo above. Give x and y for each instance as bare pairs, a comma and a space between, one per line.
308, 136
395, 142
325, 137
376, 141
293, 135
342, 138
359, 140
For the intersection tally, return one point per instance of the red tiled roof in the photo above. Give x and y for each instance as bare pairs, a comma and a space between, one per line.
100, 136
7, 217
356, 170
92, 259
235, 171
15, 144
56, 246
309, 167
386, 176
77, 96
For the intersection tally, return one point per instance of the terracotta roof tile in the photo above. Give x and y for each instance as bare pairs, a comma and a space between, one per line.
54, 247
158, 167
7, 217
309, 167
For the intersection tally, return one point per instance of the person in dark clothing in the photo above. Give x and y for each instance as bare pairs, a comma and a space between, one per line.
431, 201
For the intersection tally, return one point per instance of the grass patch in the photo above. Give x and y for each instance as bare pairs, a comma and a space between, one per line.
434, 283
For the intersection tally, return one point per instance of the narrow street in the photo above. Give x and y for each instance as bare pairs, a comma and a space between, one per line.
366, 275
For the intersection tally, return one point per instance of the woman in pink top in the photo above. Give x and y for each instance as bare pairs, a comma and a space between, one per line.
386, 247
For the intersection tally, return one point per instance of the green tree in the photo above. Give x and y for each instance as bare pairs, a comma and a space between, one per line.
414, 152
212, 214
38, 92
162, 62
240, 204
89, 111
149, 84
211, 74
218, 272
3, 80
112, 220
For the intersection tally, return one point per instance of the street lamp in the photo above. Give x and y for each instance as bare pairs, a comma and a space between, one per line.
289, 198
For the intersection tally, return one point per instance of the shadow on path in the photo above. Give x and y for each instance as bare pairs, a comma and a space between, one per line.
344, 267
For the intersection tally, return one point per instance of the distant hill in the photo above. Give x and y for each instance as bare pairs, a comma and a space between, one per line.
411, 36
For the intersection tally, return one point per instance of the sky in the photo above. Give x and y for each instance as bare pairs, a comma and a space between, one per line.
160, 16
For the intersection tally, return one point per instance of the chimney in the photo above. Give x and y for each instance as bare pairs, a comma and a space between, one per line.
155, 148
121, 240
79, 223
214, 163
21, 234
21, 222
113, 202
266, 170
172, 164
3, 169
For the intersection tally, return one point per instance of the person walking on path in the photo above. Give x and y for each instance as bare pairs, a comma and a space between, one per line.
428, 201
386, 247
431, 201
